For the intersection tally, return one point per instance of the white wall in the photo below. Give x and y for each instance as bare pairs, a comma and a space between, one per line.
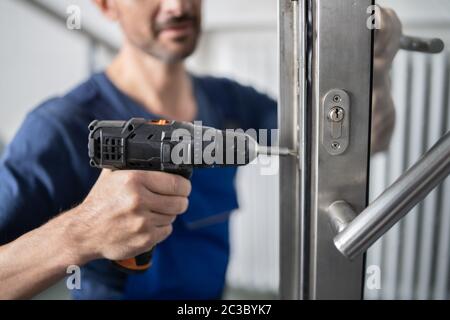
38, 59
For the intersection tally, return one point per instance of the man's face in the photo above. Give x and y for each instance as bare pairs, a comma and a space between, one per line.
166, 29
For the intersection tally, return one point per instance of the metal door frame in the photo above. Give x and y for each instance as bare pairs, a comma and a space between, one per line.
325, 45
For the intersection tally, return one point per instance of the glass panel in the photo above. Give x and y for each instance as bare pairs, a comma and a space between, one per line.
414, 256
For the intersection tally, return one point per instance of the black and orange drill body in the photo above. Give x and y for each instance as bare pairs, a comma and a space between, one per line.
140, 144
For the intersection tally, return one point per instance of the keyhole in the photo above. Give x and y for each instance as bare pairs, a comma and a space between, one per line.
336, 114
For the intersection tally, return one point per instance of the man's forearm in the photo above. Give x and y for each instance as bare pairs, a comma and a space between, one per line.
37, 260
114, 223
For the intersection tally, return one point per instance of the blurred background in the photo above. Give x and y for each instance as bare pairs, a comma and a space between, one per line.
41, 57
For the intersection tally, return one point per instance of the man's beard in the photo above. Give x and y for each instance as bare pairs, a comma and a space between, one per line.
160, 52
169, 56
175, 22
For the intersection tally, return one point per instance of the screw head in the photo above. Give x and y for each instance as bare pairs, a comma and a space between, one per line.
336, 114
337, 98
335, 145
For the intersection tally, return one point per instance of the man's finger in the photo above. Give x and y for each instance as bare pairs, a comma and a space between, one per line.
166, 183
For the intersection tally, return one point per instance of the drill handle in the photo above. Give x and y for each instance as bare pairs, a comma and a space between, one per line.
138, 264
143, 261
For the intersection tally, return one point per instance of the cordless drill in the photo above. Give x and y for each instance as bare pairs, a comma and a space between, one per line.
168, 146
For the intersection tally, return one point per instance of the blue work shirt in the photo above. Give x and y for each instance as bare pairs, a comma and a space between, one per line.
45, 171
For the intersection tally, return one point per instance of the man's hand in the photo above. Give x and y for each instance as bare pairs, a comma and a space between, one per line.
387, 44
127, 213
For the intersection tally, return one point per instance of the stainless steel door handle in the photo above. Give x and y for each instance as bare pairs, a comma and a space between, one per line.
424, 45
355, 236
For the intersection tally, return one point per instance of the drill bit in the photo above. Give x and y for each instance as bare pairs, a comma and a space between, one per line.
276, 151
